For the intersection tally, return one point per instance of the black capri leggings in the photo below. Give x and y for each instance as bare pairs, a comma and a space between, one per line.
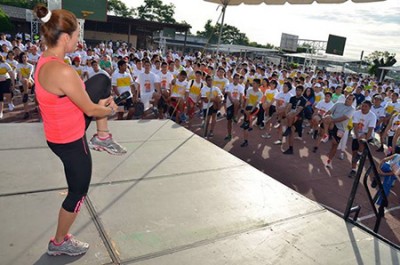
76, 156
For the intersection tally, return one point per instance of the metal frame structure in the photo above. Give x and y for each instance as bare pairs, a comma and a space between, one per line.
378, 208
313, 47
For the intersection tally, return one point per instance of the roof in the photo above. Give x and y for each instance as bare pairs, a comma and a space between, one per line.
326, 58
14, 12
242, 48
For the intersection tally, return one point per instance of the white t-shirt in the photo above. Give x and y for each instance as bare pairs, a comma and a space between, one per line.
4, 69
147, 82
379, 111
270, 95
282, 99
253, 97
26, 70
323, 107
195, 90
165, 80
364, 121
179, 89
91, 72
221, 83
237, 91
319, 97
391, 107
122, 81
34, 58
395, 125
205, 93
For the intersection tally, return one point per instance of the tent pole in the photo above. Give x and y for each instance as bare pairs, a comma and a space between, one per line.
222, 26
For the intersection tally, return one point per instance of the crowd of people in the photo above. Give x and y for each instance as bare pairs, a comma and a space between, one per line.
73, 87
274, 98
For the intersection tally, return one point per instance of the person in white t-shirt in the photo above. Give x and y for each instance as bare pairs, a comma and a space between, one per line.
3, 40
121, 82
149, 88
25, 72
234, 93
96, 70
269, 107
379, 110
364, 122
165, 78
320, 109
179, 94
212, 101
33, 56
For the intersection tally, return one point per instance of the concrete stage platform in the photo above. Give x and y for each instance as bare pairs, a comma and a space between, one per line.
173, 199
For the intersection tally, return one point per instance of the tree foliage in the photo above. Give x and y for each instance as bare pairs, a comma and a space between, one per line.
379, 59
119, 8
5, 24
155, 10
230, 34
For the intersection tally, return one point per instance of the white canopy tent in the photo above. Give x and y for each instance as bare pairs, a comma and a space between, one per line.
391, 68
225, 3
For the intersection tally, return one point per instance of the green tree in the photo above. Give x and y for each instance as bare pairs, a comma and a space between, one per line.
155, 10
119, 8
230, 34
5, 24
28, 4
379, 59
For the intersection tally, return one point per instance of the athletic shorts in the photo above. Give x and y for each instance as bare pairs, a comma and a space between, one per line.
334, 133
229, 112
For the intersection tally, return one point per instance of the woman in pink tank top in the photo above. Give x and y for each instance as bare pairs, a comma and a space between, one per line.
67, 106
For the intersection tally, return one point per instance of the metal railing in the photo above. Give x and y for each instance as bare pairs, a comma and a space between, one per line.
377, 207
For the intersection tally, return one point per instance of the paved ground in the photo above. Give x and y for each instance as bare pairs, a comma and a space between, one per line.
304, 171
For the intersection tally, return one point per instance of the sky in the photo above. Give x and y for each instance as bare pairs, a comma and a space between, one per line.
368, 27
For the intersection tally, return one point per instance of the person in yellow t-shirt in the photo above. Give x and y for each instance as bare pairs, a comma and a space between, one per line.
121, 82
25, 71
212, 100
194, 97
7, 82
179, 93
251, 104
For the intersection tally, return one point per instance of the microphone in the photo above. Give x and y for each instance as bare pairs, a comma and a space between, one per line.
122, 97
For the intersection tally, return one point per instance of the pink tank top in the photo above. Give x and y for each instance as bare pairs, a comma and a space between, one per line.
63, 121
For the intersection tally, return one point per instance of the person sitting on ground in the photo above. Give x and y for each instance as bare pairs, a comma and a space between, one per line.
334, 123
25, 72
212, 101
235, 94
251, 104
121, 82
294, 117
179, 94
364, 122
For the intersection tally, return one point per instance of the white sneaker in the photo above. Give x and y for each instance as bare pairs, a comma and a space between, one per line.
341, 156
11, 107
1, 115
329, 165
298, 138
266, 135
325, 138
